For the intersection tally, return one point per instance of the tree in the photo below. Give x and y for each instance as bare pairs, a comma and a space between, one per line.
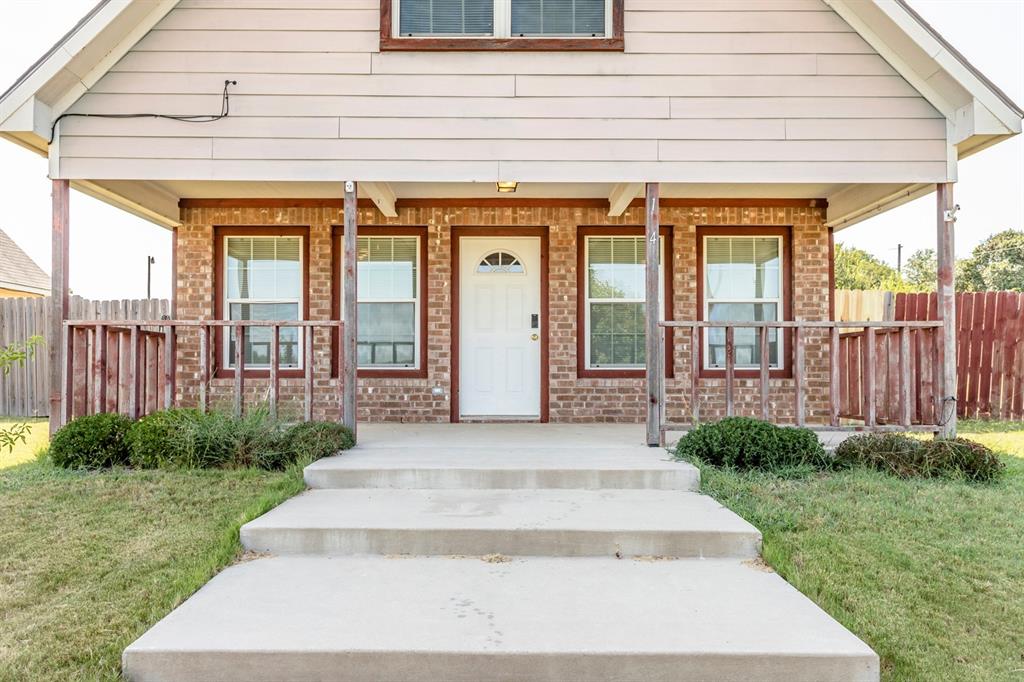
920, 270
16, 354
996, 264
858, 269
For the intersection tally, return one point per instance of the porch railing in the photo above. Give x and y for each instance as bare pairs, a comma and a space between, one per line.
131, 366
884, 375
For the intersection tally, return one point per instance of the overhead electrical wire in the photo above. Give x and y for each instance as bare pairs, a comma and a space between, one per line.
225, 111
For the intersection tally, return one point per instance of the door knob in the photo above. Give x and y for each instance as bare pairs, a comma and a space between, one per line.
534, 337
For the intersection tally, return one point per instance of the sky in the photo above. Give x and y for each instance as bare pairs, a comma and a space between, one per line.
110, 248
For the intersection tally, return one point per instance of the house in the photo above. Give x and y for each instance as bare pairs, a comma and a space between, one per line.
491, 194
20, 277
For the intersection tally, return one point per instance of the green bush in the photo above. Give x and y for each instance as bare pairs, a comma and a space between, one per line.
150, 437
907, 457
91, 441
745, 443
310, 441
217, 440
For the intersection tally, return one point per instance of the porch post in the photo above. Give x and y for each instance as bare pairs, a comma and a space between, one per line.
947, 306
655, 364
350, 309
58, 299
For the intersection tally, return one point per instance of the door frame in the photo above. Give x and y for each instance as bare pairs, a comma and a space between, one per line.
457, 233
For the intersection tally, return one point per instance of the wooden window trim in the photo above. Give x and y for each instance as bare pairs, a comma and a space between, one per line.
615, 43
420, 232
219, 311
582, 232
786, 233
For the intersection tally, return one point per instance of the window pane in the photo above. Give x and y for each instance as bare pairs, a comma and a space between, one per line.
264, 267
257, 339
387, 268
742, 267
387, 334
747, 341
616, 267
558, 17
446, 17
617, 335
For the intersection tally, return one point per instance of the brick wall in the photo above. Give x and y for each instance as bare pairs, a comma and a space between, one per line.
572, 399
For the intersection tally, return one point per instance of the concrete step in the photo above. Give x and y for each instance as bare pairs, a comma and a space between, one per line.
509, 522
466, 619
499, 466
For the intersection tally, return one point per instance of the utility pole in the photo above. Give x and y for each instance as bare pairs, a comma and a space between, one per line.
149, 276
899, 259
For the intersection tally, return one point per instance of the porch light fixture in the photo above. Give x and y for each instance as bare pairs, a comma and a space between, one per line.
507, 186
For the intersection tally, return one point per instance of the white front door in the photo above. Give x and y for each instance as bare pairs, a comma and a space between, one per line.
499, 326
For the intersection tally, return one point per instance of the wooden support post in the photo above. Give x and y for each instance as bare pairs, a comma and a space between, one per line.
59, 375
798, 375
947, 307
870, 419
695, 334
350, 310
834, 377
275, 361
655, 364
99, 370
765, 371
730, 370
204, 368
307, 341
239, 368
169, 367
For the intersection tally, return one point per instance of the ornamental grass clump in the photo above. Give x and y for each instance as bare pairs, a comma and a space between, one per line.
906, 457
91, 442
310, 441
746, 443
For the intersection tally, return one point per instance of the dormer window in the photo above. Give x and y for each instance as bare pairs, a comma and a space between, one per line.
501, 24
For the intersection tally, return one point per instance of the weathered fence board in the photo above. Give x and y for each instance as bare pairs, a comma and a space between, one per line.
24, 390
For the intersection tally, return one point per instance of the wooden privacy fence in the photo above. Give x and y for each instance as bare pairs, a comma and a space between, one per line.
990, 349
130, 367
24, 391
887, 395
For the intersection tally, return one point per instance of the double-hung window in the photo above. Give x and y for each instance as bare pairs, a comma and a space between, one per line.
615, 294
743, 282
263, 281
512, 22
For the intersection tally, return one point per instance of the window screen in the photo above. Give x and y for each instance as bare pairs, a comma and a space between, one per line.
558, 17
446, 17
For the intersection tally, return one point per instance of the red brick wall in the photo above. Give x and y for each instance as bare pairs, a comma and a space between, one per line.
572, 399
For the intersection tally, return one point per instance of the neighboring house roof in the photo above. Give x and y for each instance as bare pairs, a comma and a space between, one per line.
18, 271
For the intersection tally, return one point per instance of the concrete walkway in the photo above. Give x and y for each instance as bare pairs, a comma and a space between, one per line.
500, 552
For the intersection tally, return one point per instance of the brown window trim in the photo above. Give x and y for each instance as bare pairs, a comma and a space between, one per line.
337, 232
615, 43
583, 231
219, 313
786, 232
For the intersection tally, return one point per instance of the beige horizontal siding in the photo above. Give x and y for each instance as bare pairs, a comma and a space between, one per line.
706, 91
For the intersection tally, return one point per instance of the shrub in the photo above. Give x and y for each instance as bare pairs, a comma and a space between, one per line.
906, 457
746, 443
91, 441
150, 438
314, 440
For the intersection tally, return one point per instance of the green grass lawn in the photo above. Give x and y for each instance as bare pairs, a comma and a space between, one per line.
929, 573
89, 561
25, 452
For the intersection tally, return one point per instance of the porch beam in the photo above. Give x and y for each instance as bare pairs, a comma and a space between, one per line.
946, 217
383, 197
621, 196
655, 364
59, 299
350, 310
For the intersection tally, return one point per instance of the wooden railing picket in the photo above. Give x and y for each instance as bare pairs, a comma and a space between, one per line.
765, 371
239, 369
730, 370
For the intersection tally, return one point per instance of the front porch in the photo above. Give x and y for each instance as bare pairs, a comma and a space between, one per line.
561, 361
